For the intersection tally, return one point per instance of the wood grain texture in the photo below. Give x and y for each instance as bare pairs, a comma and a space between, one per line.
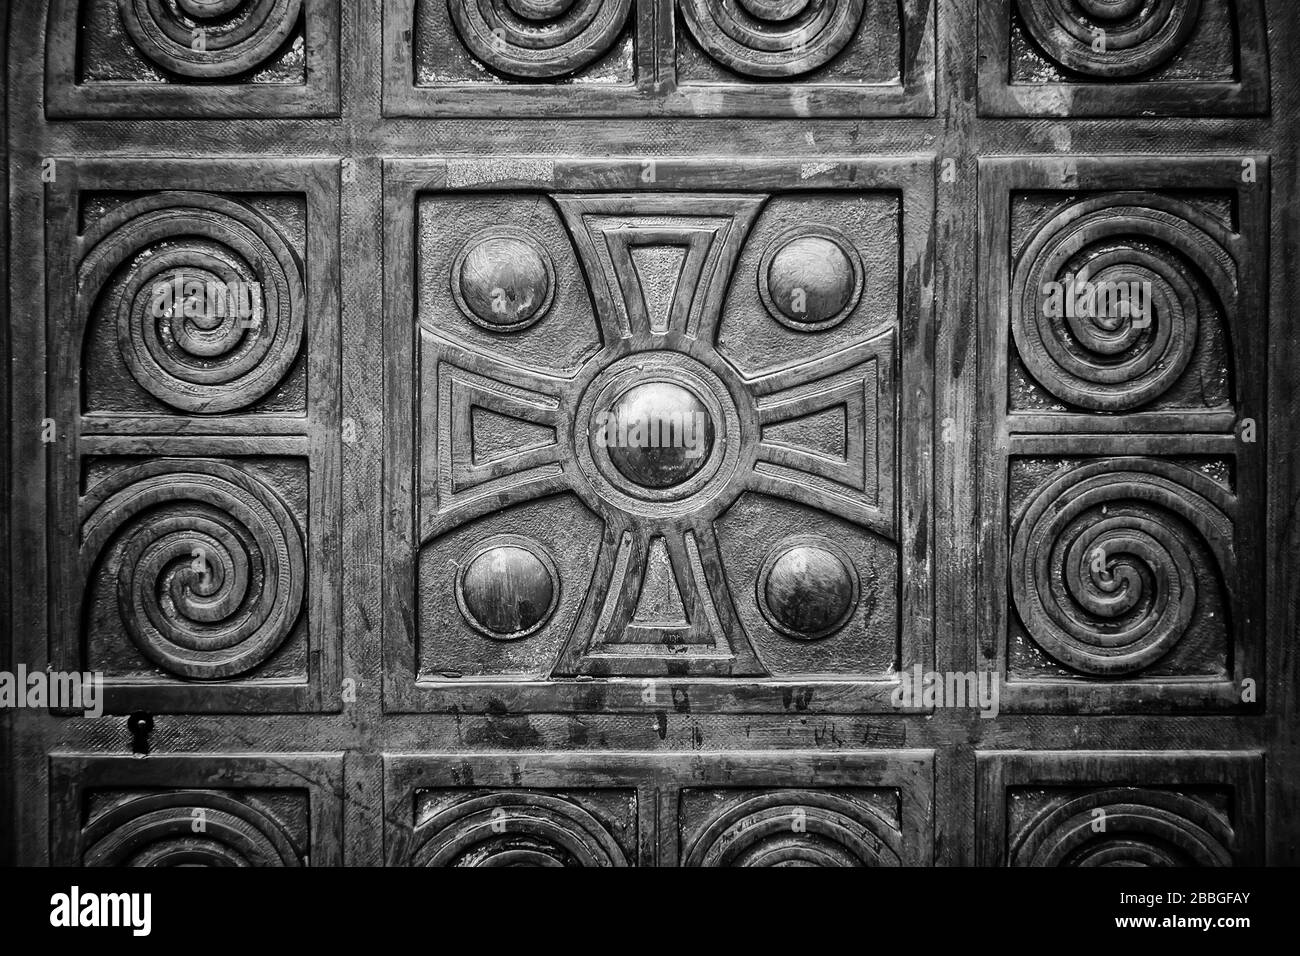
703, 746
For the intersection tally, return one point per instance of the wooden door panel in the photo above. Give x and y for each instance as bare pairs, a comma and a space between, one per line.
655, 429
212, 440
211, 810
1112, 458
634, 57
1069, 58
1080, 808
619, 809
145, 59
814, 434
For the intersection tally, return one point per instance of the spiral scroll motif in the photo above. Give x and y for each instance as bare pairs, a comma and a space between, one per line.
210, 577
218, 360
1147, 262
794, 828
1101, 566
539, 39
772, 39
187, 828
518, 829
209, 39
1141, 827
1111, 38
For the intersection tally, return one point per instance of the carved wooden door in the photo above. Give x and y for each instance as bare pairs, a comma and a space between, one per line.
655, 433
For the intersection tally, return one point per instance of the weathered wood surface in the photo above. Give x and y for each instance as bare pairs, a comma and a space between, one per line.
416, 569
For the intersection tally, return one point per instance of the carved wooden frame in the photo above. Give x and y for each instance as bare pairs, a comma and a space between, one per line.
1005, 435
660, 780
1249, 95
66, 98
312, 436
996, 772
405, 179
73, 775
656, 91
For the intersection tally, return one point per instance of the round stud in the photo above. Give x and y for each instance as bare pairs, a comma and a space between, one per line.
503, 280
810, 279
658, 434
507, 587
807, 588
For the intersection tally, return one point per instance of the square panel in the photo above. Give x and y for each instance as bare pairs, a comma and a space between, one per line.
656, 57
1123, 453
193, 425
1083, 808
767, 319
1161, 58
150, 59
191, 810
621, 809
764, 58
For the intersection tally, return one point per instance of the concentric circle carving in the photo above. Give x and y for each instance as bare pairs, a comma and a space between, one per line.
810, 278
211, 569
209, 39
772, 39
206, 353
517, 829
187, 828
1101, 563
657, 482
539, 39
503, 279
1125, 827
794, 828
1105, 302
1111, 38
507, 587
807, 587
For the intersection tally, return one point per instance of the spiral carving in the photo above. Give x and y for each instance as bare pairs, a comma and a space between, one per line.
1107, 298
517, 829
211, 358
210, 577
772, 39
1101, 565
794, 828
539, 39
1110, 38
187, 828
1125, 827
209, 39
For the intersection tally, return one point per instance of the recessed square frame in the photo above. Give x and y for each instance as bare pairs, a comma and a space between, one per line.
1003, 436
72, 775
997, 96
997, 771
313, 436
65, 98
659, 780
655, 90
911, 177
